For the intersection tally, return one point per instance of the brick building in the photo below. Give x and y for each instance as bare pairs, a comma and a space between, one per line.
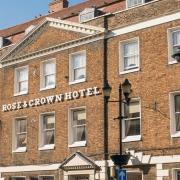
53, 69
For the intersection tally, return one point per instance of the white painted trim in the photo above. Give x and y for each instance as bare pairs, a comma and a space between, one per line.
121, 57
130, 71
77, 144
131, 138
16, 149
144, 25
136, 137
16, 79
20, 149
47, 147
78, 25
71, 74
170, 49
41, 145
28, 168
42, 82
173, 131
70, 141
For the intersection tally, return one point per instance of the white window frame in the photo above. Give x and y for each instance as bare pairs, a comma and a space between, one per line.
42, 77
131, 138
173, 132
170, 44
43, 146
71, 72
121, 56
16, 81
14, 137
128, 7
70, 132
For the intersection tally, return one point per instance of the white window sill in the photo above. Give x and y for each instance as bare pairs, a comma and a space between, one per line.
173, 62
77, 81
19, 150
176, 134
46, 88
130, 71
78, 144
21, 93
47, 147
131, 138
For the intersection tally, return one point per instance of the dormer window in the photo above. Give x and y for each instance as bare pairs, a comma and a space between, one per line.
88, 13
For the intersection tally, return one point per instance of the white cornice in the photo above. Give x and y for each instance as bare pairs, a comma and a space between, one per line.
77, 27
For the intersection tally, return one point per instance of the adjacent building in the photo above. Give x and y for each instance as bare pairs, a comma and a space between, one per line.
54, 120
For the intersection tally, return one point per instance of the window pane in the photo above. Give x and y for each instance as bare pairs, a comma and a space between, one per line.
21, 125
134, 176
23, 74
21, 140
49, 80
177, 103
132, 127
79, 73
176, 38
49, 122
79, 125
79, 117
130, 55
132, 110
23, 86
78, 61
79, 133
49, 68
49, 137
177, 121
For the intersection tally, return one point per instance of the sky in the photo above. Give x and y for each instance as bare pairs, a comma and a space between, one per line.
14, 12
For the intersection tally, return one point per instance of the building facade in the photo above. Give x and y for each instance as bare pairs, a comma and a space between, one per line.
55, 122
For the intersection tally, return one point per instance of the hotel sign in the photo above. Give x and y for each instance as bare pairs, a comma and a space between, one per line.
51, 99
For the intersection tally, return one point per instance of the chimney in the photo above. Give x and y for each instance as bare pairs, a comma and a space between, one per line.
57, 5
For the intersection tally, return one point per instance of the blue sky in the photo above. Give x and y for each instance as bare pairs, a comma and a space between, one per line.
14, 12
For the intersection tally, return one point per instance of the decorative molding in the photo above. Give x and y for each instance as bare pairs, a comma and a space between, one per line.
53, 49
91, 31
78, 161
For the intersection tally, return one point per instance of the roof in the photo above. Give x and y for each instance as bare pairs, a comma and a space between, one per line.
63, 14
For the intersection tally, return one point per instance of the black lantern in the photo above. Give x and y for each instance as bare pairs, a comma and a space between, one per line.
107, 90
126, 88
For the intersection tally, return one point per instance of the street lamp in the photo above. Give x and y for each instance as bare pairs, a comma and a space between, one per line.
125, 89
176, 55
